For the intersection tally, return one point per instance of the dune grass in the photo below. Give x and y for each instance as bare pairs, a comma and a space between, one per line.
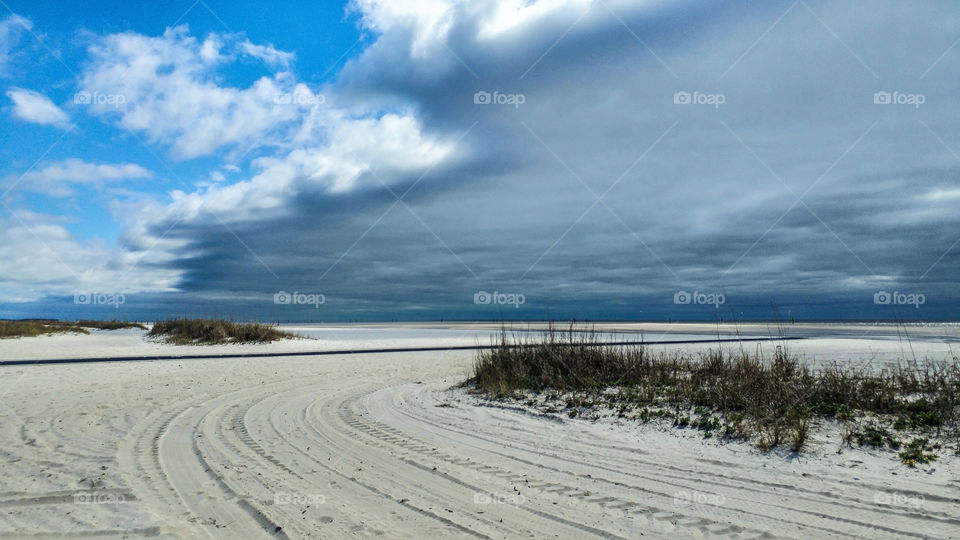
42, 327
214, 331
110, 325
770, 401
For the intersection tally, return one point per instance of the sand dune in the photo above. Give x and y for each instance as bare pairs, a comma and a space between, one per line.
385, 446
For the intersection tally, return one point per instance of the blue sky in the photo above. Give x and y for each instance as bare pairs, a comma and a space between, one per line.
51, 52
407, 160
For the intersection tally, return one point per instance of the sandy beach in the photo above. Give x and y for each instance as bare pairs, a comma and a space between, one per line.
387, 445
498, 269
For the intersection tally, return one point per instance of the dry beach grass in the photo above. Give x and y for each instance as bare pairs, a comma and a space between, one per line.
214, 331
41, 327
737, 394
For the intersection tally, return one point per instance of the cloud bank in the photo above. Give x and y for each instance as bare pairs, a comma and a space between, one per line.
597, 157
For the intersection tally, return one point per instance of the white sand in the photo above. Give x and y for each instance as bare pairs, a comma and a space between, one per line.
379, 445
827, 342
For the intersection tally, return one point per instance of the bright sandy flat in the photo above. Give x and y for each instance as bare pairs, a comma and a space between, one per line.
384, 445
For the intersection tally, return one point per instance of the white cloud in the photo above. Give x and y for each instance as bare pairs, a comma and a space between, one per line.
271, 56
170, 91
509, 14
430, 19
37, 108
168, 87
59, 178
39, 258
360, 153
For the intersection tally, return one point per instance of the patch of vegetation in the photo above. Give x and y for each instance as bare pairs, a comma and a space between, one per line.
916, 453
922, 414
578, 401
769, 400
733, 427
214, 331
110, 325
645, 414
800, 433
17, 329
840, 411
876, 437
42, 327
706, 422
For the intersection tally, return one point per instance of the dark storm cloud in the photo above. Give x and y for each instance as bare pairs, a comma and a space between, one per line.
711, 206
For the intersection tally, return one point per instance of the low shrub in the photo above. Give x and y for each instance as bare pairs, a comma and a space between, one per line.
768, 399
214, 331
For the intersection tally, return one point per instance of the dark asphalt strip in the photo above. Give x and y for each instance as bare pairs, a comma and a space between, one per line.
351, 351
